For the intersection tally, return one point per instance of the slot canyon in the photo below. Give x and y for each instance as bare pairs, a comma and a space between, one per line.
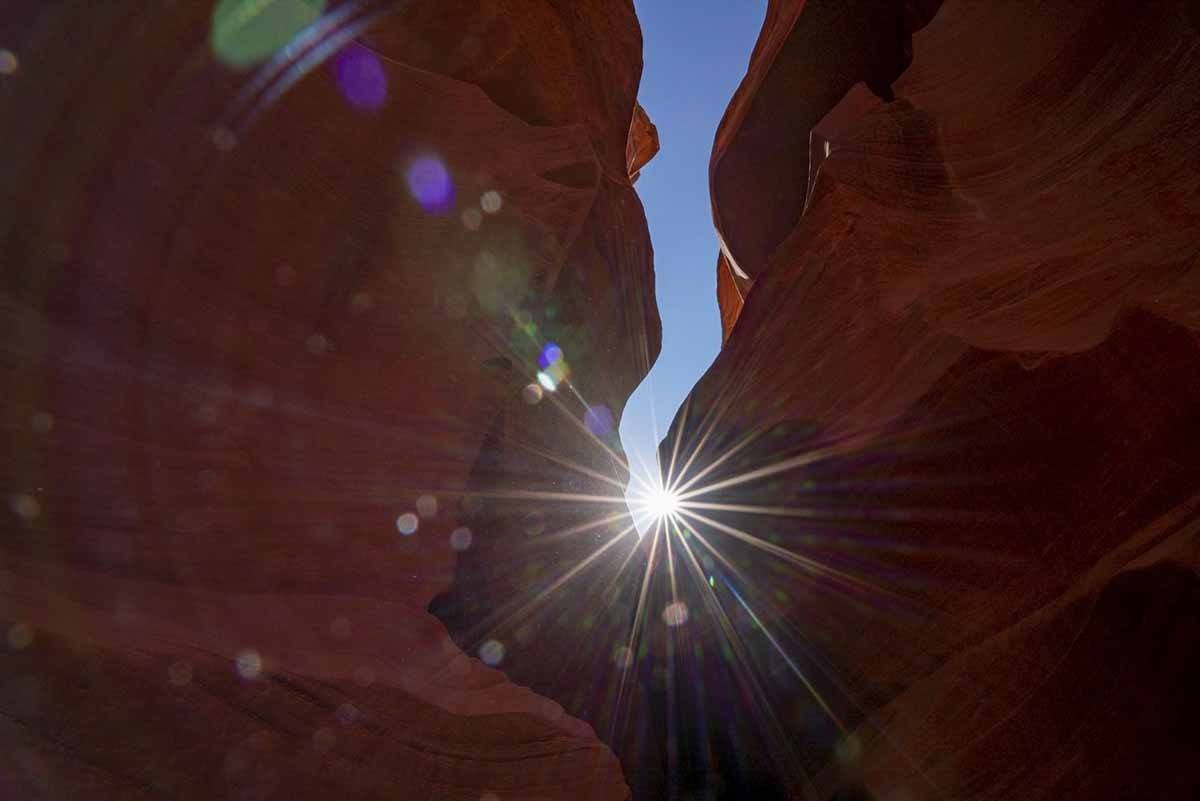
319, 317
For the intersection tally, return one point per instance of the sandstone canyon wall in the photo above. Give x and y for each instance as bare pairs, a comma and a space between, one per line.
268, 309
947, 454
280, 468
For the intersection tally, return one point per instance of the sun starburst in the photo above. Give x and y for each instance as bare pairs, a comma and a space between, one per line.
657, 503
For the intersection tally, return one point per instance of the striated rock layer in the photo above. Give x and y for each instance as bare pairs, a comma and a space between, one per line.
963, 394
260, 313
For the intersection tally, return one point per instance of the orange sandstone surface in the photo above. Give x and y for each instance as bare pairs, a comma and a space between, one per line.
960, 285
257, 325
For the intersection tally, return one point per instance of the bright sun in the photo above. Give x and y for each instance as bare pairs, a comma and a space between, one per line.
655, 505
662, 503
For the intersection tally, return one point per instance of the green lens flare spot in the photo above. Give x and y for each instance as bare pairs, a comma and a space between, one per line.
245, 32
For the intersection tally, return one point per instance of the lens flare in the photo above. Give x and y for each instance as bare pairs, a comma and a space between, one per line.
662, 503
654, 505
360, 77
245, 32
599, 420
551, 354
430, 184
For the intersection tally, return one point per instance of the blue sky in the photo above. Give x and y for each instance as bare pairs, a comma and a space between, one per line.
695, 55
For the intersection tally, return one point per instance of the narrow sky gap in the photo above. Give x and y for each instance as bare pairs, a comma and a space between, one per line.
695, 56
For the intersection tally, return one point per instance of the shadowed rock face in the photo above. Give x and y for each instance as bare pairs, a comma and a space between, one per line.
250, 318
961, 392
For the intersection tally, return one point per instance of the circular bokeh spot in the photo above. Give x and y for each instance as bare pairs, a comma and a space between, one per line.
407, 523
180, 674
675, 614
427, 506
430, 185
25, 506
347, 714
223, 139
249, 664
500, 280
532, 394
245, 32
317, 344
849, 751
599, 420
492, 652
551, 354
460, 538
534, 523
360, 77
491, 201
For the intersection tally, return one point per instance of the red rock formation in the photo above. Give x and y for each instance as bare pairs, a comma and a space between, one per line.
731, 294
251, 319
812, 63
964, 390
643, 142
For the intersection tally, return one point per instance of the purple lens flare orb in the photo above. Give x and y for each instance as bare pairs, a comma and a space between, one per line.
554, 368
360, 77
550, 354
599, 420
430, 184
